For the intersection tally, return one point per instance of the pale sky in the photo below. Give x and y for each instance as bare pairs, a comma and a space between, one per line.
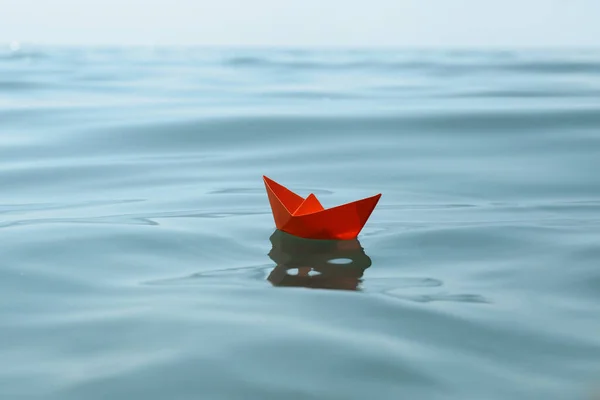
447, 23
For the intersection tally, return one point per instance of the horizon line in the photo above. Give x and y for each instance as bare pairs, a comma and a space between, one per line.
18, 45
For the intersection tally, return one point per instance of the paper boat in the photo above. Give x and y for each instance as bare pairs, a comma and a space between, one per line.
306, 217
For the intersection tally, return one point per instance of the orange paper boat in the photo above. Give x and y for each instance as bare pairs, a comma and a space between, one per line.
306, 217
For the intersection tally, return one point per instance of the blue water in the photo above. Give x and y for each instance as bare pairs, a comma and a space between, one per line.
139, 258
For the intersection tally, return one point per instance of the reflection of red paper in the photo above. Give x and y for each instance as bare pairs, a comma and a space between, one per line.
308, 219
320, 264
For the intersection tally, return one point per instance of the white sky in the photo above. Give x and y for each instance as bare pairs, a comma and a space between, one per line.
479, 23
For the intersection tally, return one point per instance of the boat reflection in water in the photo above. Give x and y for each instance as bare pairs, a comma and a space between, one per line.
318, 264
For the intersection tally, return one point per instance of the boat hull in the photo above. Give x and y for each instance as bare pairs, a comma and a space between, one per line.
343, 222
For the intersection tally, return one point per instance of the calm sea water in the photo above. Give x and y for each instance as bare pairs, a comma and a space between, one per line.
139, 258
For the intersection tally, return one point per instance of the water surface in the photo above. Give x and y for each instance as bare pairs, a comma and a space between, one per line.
139, 258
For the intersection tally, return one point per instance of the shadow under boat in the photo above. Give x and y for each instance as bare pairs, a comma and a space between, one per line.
317, 264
